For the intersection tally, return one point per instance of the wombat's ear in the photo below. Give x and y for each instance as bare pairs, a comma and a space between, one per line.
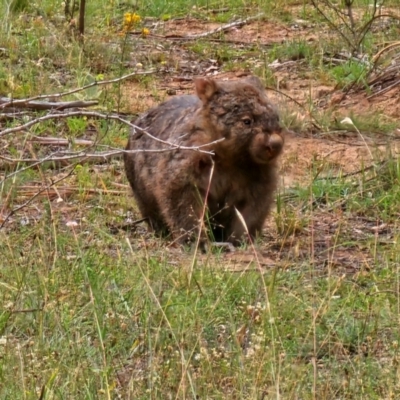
255, 81
205, 88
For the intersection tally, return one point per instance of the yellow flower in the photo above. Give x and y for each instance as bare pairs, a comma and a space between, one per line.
145, 31
135, 18
131, 18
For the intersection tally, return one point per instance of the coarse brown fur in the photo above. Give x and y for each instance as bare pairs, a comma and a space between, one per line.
170, 186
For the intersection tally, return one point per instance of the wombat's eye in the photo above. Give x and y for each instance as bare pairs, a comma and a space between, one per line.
247, 121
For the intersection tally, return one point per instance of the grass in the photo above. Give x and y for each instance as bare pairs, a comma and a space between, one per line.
350, 73
84, 318
93, 306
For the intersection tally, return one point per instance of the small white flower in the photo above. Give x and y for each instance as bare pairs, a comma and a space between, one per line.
347, 120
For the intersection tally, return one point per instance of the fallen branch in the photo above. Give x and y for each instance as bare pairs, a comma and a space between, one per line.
16, 103
9, 115
386, 89
387, 74
53, 141
6, 102
226, 27
218, 10
214, 40
222, 28
64, 157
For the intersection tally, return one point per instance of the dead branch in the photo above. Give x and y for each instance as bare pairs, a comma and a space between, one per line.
222, 28
53, 141
12, 115
218, 10
226, 27
377, 56
387, 74
26, 190
67, 157
6, 102
116, 117
386, 89
15, 103
82, 5
63, 156
178, 38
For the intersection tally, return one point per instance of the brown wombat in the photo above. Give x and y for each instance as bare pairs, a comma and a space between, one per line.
171, 185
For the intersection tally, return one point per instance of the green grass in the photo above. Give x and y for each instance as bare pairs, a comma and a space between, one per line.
350, 73
82, 315
293, 50
368, 192
89, 309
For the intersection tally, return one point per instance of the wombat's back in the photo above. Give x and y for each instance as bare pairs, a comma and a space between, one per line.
164, 121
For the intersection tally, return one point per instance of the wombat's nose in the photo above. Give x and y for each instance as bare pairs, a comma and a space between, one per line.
275, 143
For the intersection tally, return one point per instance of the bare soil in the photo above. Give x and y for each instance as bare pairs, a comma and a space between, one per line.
338, 152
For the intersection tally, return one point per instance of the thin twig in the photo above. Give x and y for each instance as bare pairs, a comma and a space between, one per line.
315, 122
376, 57
28, 310
101, 156
314, 2
108, 117
12, 212
25, 190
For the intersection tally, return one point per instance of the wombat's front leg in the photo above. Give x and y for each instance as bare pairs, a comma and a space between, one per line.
183, 197
183, 210
251, 220
249, 225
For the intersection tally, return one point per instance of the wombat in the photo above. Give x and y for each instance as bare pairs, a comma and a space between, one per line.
171, 185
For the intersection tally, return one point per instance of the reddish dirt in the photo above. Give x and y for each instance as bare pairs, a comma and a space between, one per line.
294, 78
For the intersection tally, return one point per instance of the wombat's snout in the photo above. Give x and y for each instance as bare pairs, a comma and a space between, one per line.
275, 144
265, 148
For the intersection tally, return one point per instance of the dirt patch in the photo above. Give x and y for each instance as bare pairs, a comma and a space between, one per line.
304, 156
260, 32
137, 98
